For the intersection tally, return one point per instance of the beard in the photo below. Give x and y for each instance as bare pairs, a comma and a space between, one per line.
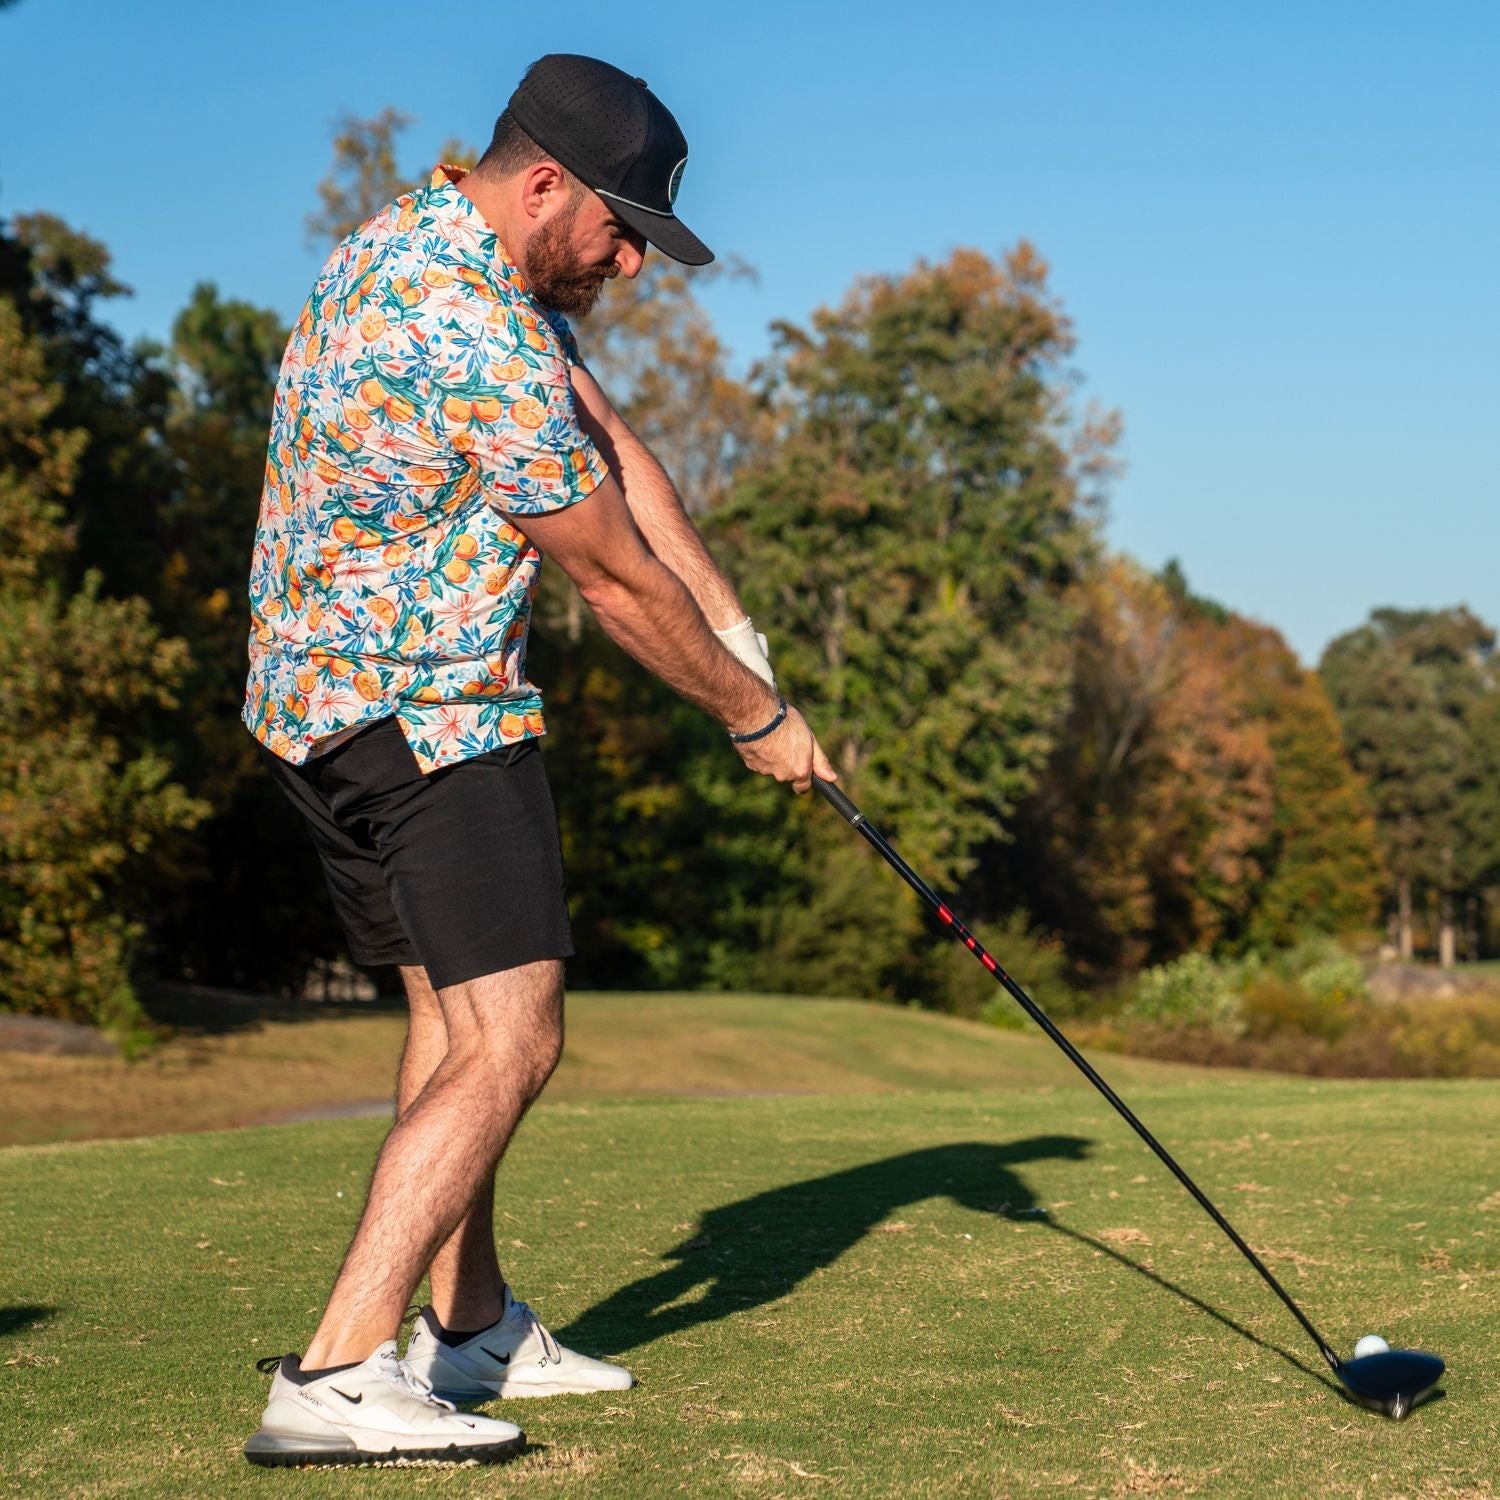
552, 270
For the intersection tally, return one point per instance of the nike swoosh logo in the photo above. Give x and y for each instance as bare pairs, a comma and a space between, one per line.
352, 1400
500, 1359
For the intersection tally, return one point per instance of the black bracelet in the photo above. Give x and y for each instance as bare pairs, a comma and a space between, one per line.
760, 734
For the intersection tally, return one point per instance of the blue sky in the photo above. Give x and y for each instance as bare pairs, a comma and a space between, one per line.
1276, 227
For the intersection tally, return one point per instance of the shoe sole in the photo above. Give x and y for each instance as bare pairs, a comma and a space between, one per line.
475, 1395
522, 1392
286, 1453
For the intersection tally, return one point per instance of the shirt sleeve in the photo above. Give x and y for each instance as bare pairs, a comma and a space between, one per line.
509, 410
564, 331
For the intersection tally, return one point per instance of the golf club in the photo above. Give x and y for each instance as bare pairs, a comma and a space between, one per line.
1391, 1382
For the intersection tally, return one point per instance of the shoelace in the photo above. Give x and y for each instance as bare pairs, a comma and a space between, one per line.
416, 1385
533, 1324
404, 1378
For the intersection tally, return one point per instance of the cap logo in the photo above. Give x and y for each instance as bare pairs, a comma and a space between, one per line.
675, 183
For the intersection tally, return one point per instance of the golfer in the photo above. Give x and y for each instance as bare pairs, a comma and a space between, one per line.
434, 435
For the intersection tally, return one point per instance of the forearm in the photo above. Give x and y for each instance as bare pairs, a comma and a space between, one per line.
678, 543
669, 532
651, 614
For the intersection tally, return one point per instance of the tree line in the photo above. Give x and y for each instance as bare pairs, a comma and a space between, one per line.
1107, 767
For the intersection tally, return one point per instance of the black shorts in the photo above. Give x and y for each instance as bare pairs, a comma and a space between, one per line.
459, 870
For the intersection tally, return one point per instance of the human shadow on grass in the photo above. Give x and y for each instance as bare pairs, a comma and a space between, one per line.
755, 1251
19, 1315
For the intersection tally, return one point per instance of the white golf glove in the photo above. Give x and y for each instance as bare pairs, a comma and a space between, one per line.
750, 648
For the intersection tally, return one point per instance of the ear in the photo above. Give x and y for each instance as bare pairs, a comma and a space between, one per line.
544, 185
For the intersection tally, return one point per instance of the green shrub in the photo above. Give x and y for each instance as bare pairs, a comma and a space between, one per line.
1193, 990
1325, 970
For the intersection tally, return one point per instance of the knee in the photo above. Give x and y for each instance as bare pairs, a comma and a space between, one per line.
514, 1063
540, 1057
510, 1026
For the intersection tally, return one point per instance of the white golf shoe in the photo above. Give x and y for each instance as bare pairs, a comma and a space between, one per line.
514, 1357
378, 1412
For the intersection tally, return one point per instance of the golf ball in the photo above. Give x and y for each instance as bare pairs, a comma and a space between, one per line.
1371, 1343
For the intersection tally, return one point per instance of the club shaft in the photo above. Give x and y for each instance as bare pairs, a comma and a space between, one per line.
857, 820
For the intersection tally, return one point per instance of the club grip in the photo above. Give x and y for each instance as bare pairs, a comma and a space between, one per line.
838, 801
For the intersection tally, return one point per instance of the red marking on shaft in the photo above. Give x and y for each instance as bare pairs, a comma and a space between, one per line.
946, 915
988, 962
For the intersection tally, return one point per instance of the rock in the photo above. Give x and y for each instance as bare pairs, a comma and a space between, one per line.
1393, 982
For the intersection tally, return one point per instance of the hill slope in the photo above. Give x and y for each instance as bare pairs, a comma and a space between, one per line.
239, 1061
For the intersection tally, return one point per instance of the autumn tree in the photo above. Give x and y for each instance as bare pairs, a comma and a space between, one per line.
1198, 796
1323, 871
364, 176
366, 173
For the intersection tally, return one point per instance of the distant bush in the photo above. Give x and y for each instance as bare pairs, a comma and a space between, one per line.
1306, 1009
1194, 990
1316, 988
1455, 1038
1323, 968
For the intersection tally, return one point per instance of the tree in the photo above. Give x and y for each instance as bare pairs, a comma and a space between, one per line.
912, 535
162, 509
1082, 858
1198, 796
911, 567
909, 541
653, 348
55, 276
84, 800
1324, 872
366, 174
1408, 687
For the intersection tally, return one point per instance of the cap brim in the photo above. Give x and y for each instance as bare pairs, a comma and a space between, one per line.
666, 231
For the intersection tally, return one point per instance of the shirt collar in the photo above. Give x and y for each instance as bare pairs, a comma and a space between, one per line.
462, 223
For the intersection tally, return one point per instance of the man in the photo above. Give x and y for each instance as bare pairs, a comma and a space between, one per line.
434, 434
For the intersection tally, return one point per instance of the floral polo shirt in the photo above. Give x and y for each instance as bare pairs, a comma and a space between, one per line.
423, 392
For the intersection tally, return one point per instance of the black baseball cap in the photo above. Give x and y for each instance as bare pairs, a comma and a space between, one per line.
616, 137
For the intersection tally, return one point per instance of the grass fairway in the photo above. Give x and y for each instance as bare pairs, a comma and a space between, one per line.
821, 1295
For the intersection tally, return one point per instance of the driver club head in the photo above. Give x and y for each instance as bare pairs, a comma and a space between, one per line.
1391, 1383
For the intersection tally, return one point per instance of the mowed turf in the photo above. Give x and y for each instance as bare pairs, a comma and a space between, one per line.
244, 1062
988, 1292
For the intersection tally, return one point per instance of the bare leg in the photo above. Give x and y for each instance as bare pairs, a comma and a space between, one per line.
504, 1034
467, 1287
